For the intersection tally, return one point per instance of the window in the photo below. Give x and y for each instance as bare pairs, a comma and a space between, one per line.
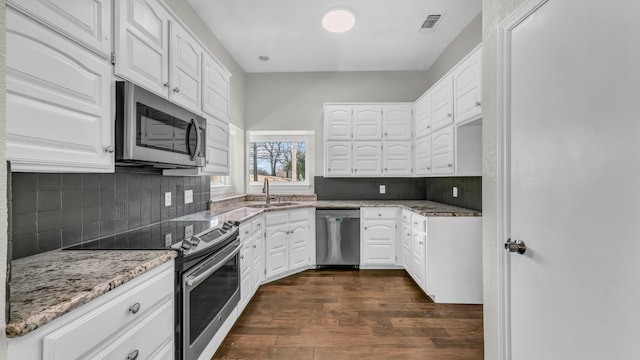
234, 182
284, 157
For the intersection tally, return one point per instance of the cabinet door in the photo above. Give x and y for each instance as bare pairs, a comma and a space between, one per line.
337, 122
142, 44
367, 122
299, 245
467, 88
277, 259
422, 114
442, 151
258, 260
246, 281
87, 22
217, 147
442, 104
367, 158
338, 158
396, 122
407, 239
59, 94
186, 69
418, 253
379, 242
215, 88
423, 155
397, 158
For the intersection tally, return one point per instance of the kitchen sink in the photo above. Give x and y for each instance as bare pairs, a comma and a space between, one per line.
272, 205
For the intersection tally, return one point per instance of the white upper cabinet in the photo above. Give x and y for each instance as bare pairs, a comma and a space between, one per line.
442, 151
185, 77
422, 115
217, 147
367, 158
338, 158
87, 22
397, 158
59, 101
337, 122
442, 103
142, 44
423, 155
396, 122
215, 88
467, 88
367, 122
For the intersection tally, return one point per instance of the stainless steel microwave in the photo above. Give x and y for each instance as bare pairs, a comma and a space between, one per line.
153, 131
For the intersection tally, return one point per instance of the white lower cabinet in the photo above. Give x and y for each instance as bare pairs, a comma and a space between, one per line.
289, 242
136, 318
378, 227
454, 259
418, 249
251, 260
59, 101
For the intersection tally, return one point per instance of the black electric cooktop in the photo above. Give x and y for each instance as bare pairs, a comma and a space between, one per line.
164, 235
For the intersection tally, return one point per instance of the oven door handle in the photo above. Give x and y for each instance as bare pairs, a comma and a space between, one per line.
197, 279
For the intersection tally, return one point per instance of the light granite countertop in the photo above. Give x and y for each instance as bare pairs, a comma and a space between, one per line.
49, 285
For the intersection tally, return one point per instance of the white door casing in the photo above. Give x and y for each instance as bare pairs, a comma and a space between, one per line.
568, 170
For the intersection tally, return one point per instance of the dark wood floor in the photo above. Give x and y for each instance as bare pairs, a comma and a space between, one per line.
347, 314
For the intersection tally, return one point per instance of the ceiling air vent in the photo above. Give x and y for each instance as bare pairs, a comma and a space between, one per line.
431, 22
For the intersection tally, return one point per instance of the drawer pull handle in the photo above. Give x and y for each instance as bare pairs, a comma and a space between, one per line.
133, 355
134, 308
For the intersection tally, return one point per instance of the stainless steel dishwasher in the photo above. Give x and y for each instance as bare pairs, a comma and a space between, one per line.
338, 238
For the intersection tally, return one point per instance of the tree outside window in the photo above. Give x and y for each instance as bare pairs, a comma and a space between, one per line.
280, 161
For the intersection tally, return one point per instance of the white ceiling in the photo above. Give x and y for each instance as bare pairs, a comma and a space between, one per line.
386, 36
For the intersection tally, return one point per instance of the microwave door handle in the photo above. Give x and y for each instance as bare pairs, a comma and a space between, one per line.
196, 153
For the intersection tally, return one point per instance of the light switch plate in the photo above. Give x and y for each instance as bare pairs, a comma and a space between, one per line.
167, 198
188, 231
455, 191
383, 189
167, 240
188, 197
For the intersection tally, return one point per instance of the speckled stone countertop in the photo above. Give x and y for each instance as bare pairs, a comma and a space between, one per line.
422, 207
49, 285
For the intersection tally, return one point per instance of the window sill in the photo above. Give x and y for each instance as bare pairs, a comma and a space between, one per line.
279, 188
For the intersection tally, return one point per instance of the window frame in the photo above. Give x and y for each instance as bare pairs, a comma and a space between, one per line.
299, 187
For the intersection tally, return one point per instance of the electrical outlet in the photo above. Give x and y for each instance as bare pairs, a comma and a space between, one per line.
167, 240
188, 197
455, 191
383, 189
188, 231
167, 198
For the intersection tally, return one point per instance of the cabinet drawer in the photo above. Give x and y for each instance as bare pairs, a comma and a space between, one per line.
379, 213
148, 337
84, 334
406, 216
298, 215
418, 223
278, 217
256, 225
244, 231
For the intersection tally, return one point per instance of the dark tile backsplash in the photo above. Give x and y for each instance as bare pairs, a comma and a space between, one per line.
51, 211
369, 188
438, 189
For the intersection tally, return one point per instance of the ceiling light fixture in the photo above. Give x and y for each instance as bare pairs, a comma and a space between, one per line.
338, 21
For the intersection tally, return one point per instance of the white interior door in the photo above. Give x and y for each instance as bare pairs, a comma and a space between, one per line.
571, 175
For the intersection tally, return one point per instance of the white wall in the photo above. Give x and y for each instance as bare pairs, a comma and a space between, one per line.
195, 23
493, 13
468, 39
3, 183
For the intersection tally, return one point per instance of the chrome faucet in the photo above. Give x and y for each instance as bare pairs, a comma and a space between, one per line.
265, 189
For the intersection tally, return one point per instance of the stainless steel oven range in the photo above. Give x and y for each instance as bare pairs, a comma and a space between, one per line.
207, 274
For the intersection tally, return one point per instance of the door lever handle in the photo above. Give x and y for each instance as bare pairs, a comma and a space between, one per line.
516, 246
